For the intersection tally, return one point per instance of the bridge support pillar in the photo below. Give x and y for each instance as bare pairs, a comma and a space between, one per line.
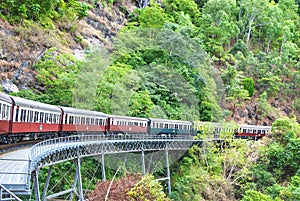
79, 179
36, 186
103, 166
150, 161
73, 187
143, 162
44, 196
168, 170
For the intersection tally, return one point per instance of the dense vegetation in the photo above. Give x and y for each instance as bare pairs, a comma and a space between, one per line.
243, 170
253, 44
202, 49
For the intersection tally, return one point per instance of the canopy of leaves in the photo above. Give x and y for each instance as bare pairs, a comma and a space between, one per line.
19, 10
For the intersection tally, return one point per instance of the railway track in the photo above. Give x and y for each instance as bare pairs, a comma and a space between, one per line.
14, 146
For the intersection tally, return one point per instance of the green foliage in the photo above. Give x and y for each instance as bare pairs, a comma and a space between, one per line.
147, 190
140, 104
152, 16
16, 11
271, 84
264, 107
56, 73
216, 171
239, 47
29, 94
248, 84
175, 7
252, 195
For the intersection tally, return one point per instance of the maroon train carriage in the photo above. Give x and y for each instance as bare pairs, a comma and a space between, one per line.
32, 119
79, 120
126, 125
5, 115
252, 131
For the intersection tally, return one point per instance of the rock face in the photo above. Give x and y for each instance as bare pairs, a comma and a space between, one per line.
21, 48
8, 86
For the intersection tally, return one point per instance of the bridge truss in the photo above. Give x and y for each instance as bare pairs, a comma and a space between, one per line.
54, 151
75, 148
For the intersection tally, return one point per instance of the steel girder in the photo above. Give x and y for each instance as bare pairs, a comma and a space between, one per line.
61, 152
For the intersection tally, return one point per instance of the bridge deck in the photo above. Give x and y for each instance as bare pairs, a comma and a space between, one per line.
14, 170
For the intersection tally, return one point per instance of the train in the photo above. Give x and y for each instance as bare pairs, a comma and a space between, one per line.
22, 119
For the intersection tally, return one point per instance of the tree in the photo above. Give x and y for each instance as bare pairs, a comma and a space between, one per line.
218, 24
248, 85
252, 14
140, 104
152, 16
233, 84
147, 190
252, 195
175, 7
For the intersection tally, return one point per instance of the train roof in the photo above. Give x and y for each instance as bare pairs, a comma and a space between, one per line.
255, 126
128, 118
4, 97
34, 104
70, 110
170, 121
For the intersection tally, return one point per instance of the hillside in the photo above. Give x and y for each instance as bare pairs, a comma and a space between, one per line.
256, 53
207, 60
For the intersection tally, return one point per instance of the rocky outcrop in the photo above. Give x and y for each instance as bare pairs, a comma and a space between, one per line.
22, 47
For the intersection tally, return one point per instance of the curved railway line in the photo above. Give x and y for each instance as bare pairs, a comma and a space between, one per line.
4, 148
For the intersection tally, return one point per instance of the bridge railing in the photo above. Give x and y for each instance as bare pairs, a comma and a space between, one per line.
55, 143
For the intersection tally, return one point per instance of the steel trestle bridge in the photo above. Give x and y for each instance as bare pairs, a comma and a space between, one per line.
54, 151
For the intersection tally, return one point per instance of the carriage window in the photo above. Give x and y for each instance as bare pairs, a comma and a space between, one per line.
166, 126
30, 116
50, 118
42, 117
176, 126
17, 115
54, 118
23, 115
244, 131
36, 116
82, 120
77, 120
71, 120
88, 121
101, 122
254, 131
264, 131
180, 126
7, 112
3, 111
46, 117
259, 131
136, 123
27, 117
66, 119
92, 121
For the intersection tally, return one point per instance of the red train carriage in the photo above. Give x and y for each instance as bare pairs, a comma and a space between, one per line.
252, 131
34, 117
78, 120
5, 114
124, 124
